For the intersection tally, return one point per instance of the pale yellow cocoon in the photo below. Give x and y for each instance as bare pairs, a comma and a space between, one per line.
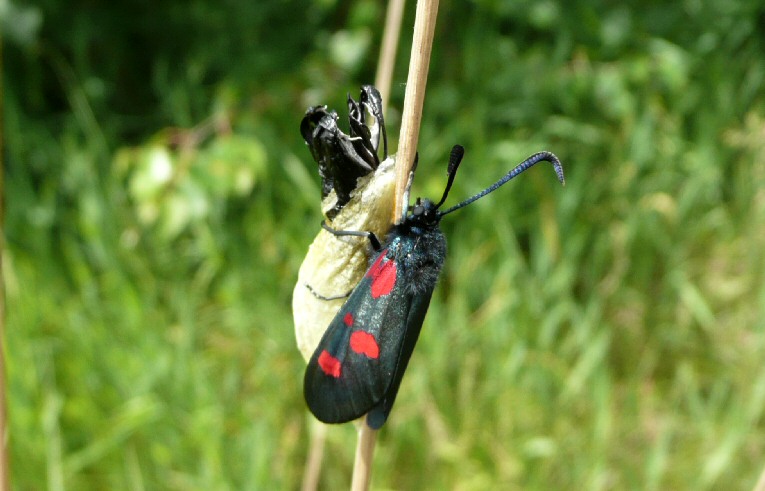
334, 265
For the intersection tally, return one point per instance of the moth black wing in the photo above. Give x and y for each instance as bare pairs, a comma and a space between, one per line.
417, 308
359, 363
355, 362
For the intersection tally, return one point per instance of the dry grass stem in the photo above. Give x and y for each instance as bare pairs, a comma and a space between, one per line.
760, 486
315, 456
419, 62
365, 449
388, 49
4, 471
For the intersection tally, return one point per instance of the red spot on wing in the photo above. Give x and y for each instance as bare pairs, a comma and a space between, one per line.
348, 319
364, 343
383, 276
374, 270
329, 364
383, 283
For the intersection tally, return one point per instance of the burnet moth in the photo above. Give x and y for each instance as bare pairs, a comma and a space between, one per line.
358, 365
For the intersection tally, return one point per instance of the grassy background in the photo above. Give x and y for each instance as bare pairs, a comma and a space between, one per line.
605, 335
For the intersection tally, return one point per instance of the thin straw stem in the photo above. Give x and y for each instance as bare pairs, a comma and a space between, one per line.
760, 486
365, 449
419, 62
318, 436
4, 470
388, 49
422, 43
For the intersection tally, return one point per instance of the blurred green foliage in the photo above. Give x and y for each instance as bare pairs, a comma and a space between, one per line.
605, 335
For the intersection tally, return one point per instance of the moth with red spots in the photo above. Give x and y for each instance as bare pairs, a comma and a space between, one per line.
358, 365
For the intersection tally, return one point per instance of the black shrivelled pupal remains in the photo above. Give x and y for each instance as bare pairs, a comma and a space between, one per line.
343, 158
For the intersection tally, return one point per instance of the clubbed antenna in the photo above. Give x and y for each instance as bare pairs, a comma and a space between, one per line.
458, 151
537, 157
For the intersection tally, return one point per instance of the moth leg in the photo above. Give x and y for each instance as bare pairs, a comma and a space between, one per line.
322, 297
354, 233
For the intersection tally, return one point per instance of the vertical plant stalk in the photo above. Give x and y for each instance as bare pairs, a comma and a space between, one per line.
365, 449
760, 486
4, 470
315, 456
365, 445
388, 49
419, 62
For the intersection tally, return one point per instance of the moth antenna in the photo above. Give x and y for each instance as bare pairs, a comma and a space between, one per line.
455, 157
529, 162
